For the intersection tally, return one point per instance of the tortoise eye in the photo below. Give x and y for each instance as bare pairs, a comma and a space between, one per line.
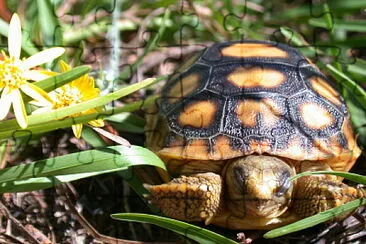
285, 184
240, 179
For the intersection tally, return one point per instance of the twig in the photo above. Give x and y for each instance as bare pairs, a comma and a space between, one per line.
5, 238
63, 189
5, 211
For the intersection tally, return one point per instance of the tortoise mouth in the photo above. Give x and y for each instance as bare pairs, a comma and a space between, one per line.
259, 186
268, 208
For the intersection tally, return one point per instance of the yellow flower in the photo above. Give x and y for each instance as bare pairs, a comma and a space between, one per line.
14, 74
77, 91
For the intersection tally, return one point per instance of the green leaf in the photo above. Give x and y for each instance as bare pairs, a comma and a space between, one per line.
53, 82
95, 29
193, 232
50, 26
9, 128
93, 103
87, 163
92, 137
316, 219
127, 122
357, 70
328, 17
347, 25
349, 176
40, 183
358, 117
358, 92
297, 40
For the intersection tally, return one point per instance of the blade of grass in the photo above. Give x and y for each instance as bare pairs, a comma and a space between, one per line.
103, 160
127, 122
40, 183
150, 46
93, 103
316, 219
357, 70
9, 127
347, 25
50, 26
95, 29
347, 82
358, 117
92, 138
296, 39
193, 232
58, 80
349, 176
35, 129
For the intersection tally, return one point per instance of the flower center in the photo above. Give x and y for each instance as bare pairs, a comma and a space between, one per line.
11, 75
67, 96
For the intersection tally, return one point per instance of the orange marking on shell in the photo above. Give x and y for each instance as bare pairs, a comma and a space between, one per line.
321, 149
223, 150
249, 50
183, 87
200, 114
325, 90
174, 149
256, 77
260, 147
294, 150
248, 110
196, 149
315, 116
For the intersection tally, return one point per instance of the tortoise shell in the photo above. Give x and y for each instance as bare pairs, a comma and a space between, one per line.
254, 97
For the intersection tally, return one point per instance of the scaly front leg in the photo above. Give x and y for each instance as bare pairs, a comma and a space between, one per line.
317, 193
190, 198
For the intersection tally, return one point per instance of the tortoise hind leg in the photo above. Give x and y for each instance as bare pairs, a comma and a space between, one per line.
317, 193
190, 198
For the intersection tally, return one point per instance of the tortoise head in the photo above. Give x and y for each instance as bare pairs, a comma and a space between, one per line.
259, 186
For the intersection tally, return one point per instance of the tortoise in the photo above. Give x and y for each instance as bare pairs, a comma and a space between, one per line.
235, 122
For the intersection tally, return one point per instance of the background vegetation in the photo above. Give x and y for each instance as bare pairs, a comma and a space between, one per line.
125, 42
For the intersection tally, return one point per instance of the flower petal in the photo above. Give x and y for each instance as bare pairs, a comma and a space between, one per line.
97, 123
77, 130
5, 102
36, 93
41, 110
37, 75
64, 66
14, 37
42, 57
19, 109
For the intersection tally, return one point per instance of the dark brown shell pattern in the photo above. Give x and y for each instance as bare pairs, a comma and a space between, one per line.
240, 98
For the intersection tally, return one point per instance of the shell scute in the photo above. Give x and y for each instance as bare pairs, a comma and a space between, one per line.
238, 99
